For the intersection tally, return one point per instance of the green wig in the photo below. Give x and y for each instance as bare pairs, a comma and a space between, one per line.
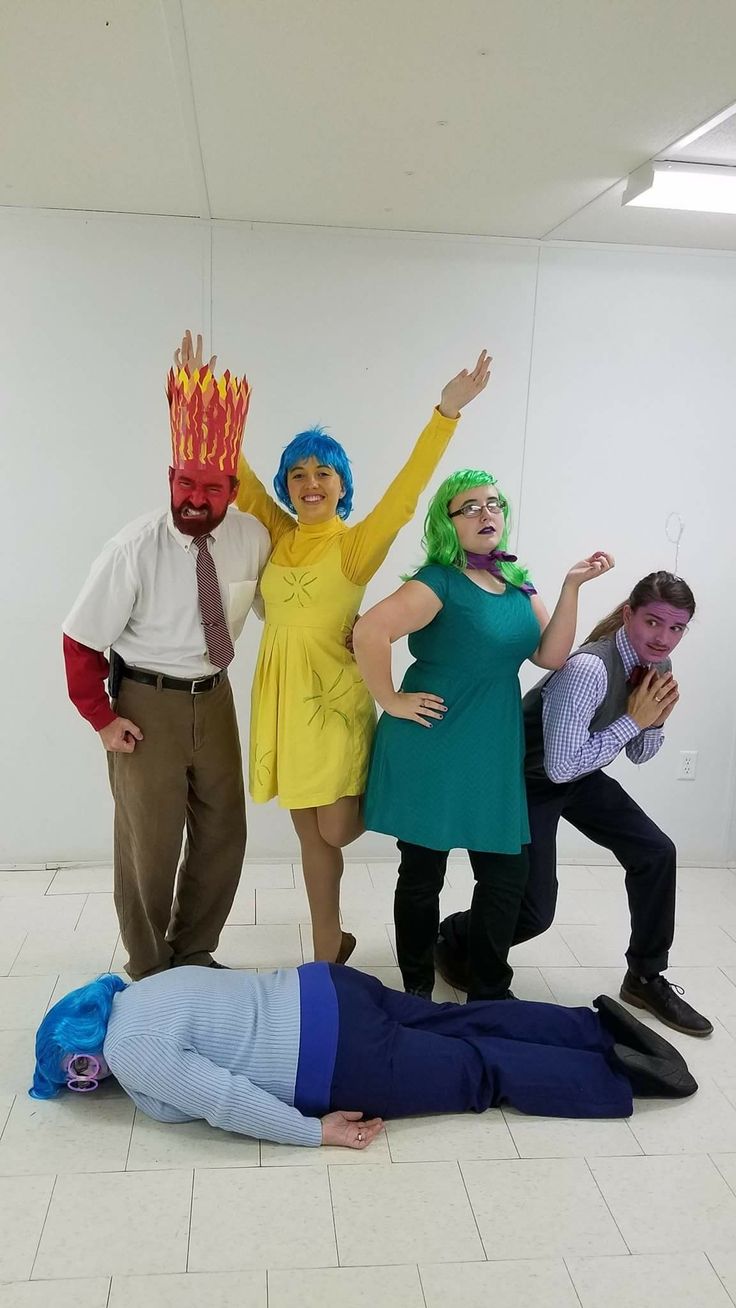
440, 540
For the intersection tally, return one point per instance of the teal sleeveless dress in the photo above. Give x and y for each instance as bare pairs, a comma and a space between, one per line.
460, 784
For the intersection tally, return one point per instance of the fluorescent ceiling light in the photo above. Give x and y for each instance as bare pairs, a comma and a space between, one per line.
708, 126
707, 188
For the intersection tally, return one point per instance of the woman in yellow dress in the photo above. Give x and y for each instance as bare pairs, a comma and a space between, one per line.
312, 716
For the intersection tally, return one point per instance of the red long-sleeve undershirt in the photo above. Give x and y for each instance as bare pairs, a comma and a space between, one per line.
86, 670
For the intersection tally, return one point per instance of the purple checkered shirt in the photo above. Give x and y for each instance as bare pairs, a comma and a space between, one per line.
569, 703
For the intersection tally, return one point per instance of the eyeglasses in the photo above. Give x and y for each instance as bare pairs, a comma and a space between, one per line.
474, 510
82, 1071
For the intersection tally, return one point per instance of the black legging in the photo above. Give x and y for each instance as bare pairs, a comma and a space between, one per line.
499, 887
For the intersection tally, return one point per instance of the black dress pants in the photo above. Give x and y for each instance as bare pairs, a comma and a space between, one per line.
600, 808
499, 887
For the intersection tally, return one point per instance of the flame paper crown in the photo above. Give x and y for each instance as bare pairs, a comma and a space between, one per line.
207, 418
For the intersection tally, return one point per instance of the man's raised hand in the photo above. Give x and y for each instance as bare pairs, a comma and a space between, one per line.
189, 357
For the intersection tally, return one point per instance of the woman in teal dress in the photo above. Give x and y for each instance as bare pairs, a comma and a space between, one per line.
447, 765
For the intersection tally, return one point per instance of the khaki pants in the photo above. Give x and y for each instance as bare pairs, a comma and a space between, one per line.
185, 773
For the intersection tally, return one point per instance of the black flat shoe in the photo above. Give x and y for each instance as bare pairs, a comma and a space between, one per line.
652, 1077
660, 997
347, 945
626, 1029
452, 969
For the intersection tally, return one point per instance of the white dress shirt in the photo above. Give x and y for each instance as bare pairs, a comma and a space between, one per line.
141, 596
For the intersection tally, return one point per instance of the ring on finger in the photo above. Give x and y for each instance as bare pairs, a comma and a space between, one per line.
360, 1136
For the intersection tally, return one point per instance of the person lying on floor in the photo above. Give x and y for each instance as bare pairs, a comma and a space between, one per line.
322, 1054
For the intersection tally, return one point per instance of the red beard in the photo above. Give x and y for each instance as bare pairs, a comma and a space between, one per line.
200, 526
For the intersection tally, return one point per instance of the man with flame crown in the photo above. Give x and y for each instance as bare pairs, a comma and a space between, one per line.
168, 597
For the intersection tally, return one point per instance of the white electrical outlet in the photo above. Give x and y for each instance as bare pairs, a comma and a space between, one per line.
688, 764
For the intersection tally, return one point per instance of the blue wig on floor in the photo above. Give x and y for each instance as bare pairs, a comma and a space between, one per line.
77, 1024
315, 443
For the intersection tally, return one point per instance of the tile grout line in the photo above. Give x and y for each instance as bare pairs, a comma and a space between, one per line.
130, 1138
572, 1283
421, 1284
84, 905
725, 974
51, 995
18, 954
13, 1098
716, 1273
712, 1160
511, 1137
332, 1210
191, 1218
642, 1151
114, 952
43, 1227
586, 1160
458, 1164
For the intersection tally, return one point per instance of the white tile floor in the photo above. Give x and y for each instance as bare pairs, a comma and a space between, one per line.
101, 1206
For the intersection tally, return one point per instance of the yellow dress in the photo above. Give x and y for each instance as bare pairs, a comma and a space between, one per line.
312, 716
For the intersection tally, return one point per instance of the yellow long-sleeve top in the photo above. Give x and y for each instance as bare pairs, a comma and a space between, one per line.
312, 717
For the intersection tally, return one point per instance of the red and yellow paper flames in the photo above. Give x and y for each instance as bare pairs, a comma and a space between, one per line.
207, 418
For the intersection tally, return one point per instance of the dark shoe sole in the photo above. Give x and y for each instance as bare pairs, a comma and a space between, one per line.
628, 1030
637, 1002
655, 1078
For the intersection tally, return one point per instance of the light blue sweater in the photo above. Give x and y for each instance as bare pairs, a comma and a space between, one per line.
223, 1046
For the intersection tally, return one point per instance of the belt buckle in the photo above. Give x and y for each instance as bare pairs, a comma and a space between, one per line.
199, 690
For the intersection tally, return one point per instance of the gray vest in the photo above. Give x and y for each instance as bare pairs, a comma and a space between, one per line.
613, 705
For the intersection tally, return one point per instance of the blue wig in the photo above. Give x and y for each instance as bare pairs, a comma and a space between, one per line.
315, 443
77, 1024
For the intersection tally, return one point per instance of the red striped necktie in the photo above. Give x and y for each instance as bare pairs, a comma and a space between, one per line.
219, 645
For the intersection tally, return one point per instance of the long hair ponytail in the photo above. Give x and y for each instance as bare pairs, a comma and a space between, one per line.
664, 587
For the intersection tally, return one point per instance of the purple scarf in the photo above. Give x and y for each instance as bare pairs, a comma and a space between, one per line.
492, 563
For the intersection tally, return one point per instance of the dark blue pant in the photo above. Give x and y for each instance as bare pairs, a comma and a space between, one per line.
600, 808
398, 1055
